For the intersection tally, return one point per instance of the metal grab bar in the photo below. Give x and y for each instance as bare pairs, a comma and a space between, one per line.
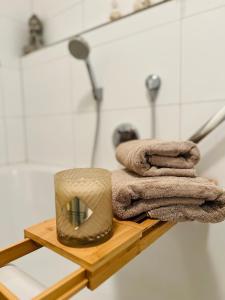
209, 126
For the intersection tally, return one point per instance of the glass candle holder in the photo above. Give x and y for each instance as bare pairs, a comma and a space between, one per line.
83, 206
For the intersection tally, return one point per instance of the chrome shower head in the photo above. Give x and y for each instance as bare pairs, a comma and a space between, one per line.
79, 48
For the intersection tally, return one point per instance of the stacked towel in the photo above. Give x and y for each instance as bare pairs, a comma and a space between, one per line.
159, 158
145, 187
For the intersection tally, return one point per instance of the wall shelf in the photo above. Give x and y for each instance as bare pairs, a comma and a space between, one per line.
97, 263
99, 26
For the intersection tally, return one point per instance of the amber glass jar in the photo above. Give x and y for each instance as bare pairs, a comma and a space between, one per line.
83, 206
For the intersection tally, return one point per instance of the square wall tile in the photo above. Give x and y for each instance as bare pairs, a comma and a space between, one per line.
12, 92
45, 55
96, 12
190, 7
123, 66
50, 8
13, 38
47, 88
1, 93
84, 131
18, 9
194, 115
50, 140
167, 122
203, 63
1, 104
15, 139
212, 147
3, 146
65, 24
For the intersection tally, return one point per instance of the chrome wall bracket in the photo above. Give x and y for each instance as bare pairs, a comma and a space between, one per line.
153, 84
123, 133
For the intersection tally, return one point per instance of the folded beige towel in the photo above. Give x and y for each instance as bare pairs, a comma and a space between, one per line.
159, 158
167, 198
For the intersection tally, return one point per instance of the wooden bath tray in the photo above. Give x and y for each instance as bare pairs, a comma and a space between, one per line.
97, 263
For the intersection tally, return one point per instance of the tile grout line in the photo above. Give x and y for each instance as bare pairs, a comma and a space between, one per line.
59, 114
31, 7
4, 116
64, 10
203, 12
41, 64
72, 120
22, 86
180, 71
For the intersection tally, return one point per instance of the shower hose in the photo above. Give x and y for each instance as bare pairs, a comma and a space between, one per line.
96, 134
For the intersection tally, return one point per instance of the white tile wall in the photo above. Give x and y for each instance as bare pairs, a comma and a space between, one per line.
51, 8
102, 9
13, 32
12, 92
64, 25
167, 122
18, 9
45, 55
15, 139
123, 66
190, 7
13, 37
83, 128
203, 64
122, 53
47, 88
50, 140
3, 145
1, 93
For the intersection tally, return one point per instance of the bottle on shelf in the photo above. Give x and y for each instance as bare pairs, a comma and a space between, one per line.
115, 13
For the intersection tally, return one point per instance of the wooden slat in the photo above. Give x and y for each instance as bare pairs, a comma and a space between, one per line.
143, 226
17, 250
6, 294
151, 232
65, 288
90, 258
106, 271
